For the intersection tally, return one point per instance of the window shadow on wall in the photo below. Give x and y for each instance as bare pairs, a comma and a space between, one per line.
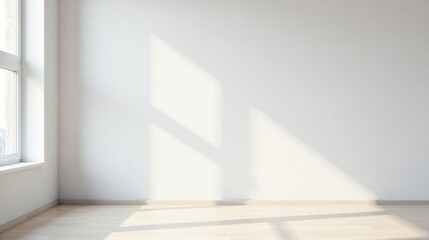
311, 80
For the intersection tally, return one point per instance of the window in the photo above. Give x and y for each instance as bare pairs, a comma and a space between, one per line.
10, 70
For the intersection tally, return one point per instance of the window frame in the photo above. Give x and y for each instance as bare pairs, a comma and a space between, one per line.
13, 63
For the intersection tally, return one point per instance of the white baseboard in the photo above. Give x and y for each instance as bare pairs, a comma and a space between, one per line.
240, 202
27, 216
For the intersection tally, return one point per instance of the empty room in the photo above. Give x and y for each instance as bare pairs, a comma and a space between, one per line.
214, 119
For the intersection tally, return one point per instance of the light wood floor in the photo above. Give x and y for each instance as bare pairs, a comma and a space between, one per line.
225, 222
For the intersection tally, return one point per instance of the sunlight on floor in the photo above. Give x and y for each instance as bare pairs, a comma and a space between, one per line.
265, 222
232, 222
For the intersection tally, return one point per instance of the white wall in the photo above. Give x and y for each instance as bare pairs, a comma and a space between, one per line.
244, 99
26, 190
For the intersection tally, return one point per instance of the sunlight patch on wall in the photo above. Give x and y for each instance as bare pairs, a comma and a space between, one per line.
185, 92
179, 172
287, 168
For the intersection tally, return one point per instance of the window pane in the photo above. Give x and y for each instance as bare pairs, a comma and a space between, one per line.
8, 125
8, 26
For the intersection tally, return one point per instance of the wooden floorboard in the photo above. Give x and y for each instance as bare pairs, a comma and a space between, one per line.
225, 222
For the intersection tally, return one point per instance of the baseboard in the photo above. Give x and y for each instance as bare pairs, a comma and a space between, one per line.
27, 216
241, 202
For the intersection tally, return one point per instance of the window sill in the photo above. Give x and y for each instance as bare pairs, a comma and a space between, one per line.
19, 166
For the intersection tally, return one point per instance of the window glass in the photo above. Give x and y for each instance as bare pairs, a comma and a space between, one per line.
8, 117
8, 26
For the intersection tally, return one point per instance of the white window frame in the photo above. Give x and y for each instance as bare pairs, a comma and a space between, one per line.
13, 63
